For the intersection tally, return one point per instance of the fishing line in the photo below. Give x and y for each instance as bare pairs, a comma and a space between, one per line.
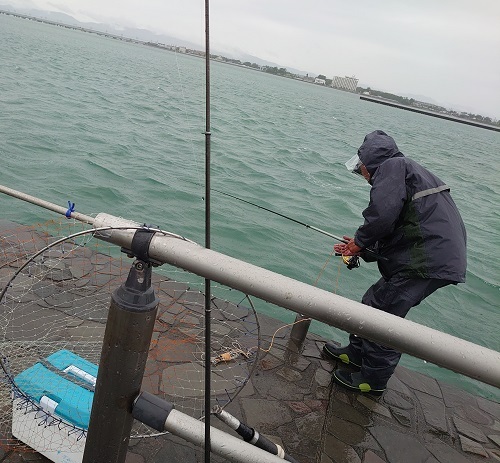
297, 321
319, 230
311, 227
197, 159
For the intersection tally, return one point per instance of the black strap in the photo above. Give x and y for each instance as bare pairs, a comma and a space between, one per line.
140, 244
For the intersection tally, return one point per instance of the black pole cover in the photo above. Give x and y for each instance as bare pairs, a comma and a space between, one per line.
131, 318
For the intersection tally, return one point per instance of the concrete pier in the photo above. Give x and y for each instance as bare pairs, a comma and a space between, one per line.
289, 396
429, 113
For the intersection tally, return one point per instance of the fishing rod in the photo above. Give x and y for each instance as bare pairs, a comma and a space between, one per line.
319, 230
342, 240
251, 435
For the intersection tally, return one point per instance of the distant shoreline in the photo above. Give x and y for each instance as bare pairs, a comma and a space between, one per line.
428, 113
171, 48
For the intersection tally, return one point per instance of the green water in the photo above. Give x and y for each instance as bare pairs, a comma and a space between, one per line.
118, 128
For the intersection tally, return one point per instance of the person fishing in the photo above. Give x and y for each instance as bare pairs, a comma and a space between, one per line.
414, 226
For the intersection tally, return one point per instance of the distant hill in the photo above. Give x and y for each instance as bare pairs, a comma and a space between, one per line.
140, 34
254, 59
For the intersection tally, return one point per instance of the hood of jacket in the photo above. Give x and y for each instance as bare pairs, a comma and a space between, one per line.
376, 149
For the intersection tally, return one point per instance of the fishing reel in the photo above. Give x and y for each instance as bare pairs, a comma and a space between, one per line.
350, 261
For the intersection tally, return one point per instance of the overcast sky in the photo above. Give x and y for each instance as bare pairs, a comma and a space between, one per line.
447, 50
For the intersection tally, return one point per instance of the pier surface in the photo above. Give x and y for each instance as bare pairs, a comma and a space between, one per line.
291, 399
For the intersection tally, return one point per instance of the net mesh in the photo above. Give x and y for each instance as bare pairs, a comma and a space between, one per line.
57, 301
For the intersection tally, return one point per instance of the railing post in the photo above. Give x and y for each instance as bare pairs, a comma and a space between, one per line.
299, 331
129, 328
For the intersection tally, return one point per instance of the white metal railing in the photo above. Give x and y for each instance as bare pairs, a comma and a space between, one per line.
403, 335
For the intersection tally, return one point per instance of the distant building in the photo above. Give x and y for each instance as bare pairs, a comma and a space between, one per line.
345, 83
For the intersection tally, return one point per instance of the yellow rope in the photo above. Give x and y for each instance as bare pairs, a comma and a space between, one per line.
324, 266
280, 328
338, 278
323, 269
315, 284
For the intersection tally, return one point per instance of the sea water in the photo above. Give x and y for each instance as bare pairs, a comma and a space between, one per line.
118, 127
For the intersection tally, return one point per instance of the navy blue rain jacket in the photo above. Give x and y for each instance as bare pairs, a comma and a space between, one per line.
411, 218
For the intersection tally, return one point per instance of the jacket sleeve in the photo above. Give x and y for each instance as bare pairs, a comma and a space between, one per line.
368, 257
387, 198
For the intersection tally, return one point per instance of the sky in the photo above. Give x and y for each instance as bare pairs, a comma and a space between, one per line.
444, 50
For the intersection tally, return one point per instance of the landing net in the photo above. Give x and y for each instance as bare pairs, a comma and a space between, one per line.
55, 305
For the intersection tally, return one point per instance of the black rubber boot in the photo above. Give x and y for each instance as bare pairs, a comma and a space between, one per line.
356, 383
345, 354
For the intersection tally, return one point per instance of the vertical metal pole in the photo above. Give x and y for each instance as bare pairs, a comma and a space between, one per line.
129, 328
208, 338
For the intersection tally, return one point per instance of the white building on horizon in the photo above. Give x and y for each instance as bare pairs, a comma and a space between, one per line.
345, 83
